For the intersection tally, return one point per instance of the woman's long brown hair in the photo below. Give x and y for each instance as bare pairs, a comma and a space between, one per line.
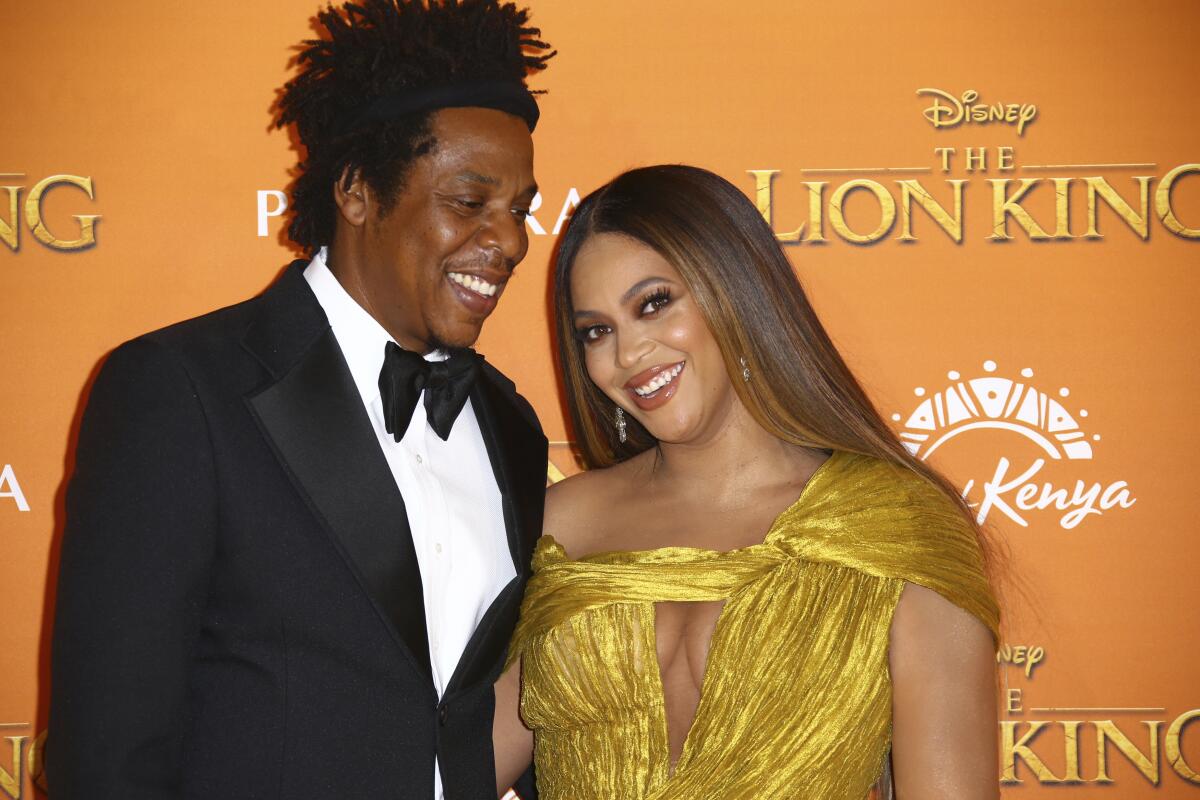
801, 391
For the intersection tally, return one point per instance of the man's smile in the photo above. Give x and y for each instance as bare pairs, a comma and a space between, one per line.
479, 295
474, 283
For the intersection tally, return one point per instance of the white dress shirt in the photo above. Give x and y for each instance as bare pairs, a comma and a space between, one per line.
449, 489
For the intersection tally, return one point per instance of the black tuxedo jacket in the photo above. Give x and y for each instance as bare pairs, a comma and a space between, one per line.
239, 609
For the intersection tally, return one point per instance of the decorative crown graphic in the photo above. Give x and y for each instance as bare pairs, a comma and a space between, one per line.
995, 402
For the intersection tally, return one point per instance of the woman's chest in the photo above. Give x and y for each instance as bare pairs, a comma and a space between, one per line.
624, 659
683, 634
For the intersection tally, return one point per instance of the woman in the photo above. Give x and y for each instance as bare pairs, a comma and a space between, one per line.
755, 591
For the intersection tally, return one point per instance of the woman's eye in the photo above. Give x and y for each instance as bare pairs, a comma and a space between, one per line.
591, 333
655, 302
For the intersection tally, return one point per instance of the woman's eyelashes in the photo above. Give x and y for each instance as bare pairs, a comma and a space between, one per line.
590, 333
650, 304
654, 301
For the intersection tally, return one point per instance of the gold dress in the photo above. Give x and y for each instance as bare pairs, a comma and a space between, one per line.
796, 699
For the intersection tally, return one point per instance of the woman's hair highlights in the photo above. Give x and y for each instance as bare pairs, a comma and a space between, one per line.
802, 391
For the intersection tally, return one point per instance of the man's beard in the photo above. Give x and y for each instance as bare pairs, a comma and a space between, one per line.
437, 345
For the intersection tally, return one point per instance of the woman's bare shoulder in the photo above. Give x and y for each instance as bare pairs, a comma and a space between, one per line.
572, 507
579, 508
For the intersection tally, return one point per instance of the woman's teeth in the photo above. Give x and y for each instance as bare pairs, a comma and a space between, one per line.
476, 285
660, 380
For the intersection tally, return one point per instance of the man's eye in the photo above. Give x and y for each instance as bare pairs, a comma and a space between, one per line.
467, 202
520, 213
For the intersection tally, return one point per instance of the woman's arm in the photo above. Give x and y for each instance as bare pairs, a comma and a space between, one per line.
568, 503
511, 740
944, 688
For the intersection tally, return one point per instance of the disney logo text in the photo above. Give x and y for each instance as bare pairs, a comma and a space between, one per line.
956, 111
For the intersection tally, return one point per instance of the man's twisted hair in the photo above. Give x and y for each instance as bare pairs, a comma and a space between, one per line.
375, 48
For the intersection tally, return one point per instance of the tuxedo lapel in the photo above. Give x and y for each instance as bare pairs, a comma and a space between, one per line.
314, 418
517, 451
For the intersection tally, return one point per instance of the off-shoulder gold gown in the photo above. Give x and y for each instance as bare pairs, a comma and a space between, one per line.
796, 699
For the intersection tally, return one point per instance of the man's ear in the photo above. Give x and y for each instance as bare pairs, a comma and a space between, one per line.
353, 197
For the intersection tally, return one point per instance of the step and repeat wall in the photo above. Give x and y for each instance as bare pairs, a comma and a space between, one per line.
995, 209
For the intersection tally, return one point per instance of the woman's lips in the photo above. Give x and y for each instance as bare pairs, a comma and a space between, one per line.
668, 375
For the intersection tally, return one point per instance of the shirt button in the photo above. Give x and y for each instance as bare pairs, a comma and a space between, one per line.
438, 547
419, 459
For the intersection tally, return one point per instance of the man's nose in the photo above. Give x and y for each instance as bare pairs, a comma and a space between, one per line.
504, 232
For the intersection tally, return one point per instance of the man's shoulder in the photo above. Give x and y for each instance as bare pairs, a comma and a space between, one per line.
206, 345
231, 321
217, 325
509, 389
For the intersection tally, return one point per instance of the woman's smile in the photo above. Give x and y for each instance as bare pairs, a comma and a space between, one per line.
654, 387
644, 340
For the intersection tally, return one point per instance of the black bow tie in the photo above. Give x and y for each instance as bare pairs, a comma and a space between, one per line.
446, 385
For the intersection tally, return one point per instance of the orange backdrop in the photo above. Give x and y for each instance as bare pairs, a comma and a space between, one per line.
1045, 361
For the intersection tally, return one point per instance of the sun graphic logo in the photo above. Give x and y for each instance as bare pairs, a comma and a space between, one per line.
994, 402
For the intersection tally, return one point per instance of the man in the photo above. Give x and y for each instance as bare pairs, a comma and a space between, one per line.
299, 528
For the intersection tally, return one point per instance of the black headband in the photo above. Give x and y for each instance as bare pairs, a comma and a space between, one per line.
508, 96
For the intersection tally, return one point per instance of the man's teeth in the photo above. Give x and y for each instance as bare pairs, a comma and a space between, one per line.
476, 285
660, 380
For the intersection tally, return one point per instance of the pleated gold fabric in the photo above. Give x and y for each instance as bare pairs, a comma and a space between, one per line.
796, 699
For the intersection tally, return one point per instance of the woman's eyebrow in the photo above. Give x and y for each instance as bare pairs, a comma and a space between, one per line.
638, 287
630, 293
